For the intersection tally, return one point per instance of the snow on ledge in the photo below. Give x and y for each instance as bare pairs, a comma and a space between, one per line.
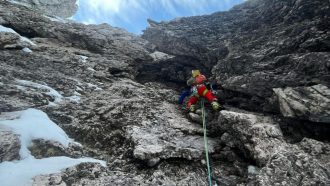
27, 50
19, 3
33, 124
58, 98
83, 58
23, 39
56, 19
50, 91
95, 87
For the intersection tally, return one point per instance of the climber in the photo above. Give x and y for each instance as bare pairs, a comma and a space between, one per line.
197, 82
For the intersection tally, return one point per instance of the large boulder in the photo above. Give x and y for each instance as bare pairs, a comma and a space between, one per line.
309, 103
259, 137
280, 163
165, 143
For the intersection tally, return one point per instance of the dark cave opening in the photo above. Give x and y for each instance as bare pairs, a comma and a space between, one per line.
173, 72
295, 130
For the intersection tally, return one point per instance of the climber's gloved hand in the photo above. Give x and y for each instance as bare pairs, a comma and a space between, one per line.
215, 105
192, 108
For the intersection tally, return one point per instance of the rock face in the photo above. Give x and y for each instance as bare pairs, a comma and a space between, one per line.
261, 139
60, 8
312, 103
116, 94
254, 47
41, 148
295, 166
258, 136
9, 145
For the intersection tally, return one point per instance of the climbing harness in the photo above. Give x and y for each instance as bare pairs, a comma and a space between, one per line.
209, 172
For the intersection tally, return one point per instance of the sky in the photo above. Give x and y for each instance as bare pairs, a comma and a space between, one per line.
132, 15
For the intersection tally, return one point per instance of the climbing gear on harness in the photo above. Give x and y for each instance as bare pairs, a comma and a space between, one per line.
194, 91
212, 87
209, 171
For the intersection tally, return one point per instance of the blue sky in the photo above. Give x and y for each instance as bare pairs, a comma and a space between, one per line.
132, 15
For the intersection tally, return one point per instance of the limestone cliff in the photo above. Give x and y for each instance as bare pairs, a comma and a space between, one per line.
60, 8
254, 47
116, 94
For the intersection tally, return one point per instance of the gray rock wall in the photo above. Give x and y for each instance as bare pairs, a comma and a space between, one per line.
9, 145
254, 47
60, 8
110, 95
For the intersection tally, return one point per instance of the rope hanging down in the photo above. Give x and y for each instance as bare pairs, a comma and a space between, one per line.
206, 145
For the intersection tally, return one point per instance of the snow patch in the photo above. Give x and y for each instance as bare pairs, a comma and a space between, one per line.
56, 19
19, 3
95, 87
78, 88
83, 58
75, 98
160, 56
6, 29
50, 91
58, 98
33, 124
23, 39
91, 69
27, 50
252, 169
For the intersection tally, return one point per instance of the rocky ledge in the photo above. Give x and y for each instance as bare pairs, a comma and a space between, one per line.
59, 8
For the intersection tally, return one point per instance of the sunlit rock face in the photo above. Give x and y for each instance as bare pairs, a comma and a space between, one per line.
60, 8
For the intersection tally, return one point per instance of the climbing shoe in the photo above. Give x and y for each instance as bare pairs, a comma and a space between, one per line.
215, 105
192, 108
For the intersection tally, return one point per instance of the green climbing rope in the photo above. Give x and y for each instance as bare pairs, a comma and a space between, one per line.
206, 145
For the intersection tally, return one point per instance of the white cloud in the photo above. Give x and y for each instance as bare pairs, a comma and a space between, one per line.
134, 12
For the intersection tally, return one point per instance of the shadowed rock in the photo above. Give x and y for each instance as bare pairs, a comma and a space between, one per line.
254, 47
311, 103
